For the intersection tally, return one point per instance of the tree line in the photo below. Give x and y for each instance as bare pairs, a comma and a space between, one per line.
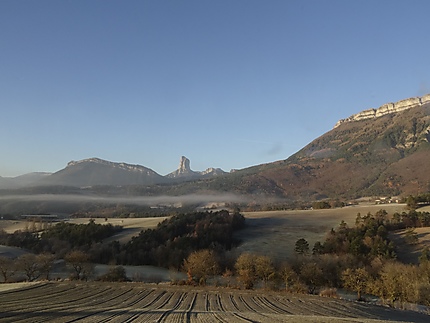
415, 201
61, 238
360, 258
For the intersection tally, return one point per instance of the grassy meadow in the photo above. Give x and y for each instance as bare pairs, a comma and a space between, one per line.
271, 233
274, 233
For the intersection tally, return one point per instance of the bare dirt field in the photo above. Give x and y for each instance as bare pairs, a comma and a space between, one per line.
274, 233
135, 302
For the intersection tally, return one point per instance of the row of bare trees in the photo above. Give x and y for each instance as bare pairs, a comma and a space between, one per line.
33, 267
391, 280
30, 265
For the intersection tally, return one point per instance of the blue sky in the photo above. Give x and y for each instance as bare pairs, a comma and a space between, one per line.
228, 84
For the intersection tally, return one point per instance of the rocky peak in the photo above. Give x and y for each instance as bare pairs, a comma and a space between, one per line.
184, 165
184, 169
387, 109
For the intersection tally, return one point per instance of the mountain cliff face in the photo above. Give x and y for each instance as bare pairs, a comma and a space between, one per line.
184, 171
387, 108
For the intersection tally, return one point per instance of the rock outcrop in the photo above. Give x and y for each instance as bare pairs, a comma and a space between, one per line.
212, 171
184, 171
387, 109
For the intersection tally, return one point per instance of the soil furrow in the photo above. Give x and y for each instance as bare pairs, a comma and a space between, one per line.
124, 302
23, 295
270, 305
139, 297
177, 304
190, 308
214, 306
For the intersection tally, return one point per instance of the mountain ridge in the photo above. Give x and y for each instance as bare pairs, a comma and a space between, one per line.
21, 180
122, 165
96, 171
384, 153
387, 108
184, 171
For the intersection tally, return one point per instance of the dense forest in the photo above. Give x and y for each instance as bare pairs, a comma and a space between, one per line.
176, 238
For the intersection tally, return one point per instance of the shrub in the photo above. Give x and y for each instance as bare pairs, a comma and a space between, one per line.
115, 274
329, 292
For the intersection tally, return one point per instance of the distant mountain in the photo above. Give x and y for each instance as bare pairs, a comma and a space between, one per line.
22, 180
95, 171
6, 182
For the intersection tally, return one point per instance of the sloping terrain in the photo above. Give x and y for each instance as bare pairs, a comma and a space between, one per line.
22, 181
383, 156
95, 171
133, 302
274, 233
387, 155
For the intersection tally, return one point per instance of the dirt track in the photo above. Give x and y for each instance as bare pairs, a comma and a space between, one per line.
135, 302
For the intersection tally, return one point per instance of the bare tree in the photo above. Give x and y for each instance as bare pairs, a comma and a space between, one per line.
46, 261
80, 263
30, 265
7, 268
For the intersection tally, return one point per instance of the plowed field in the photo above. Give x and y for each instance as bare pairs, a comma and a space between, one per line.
135, 302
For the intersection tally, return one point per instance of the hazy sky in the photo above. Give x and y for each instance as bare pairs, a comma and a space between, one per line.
228, 84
